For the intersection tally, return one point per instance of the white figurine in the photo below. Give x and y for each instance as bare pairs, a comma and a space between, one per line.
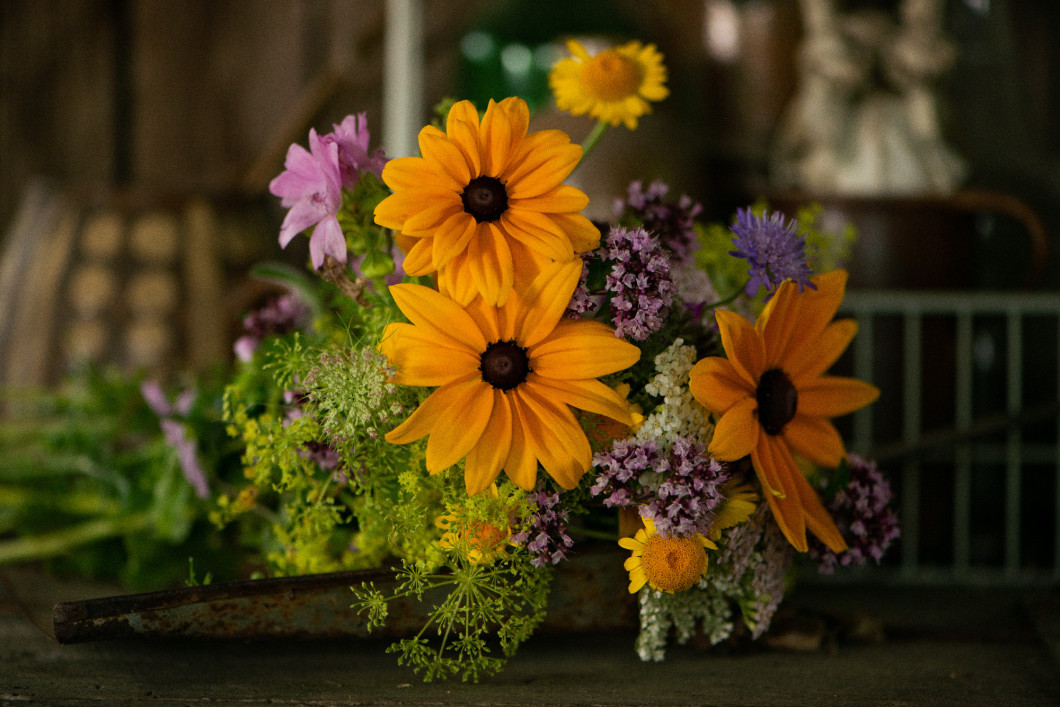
864, 121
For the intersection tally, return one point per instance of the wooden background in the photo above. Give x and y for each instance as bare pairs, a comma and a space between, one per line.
134, 105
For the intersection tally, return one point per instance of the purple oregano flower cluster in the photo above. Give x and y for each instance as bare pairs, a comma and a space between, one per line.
672, 222
773, 249
863, 515
545, 536
312, 182
678, 490
639, 283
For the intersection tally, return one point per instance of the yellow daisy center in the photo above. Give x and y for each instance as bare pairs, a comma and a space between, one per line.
673, 564
609, 76
777, 400
487, 537
504, 364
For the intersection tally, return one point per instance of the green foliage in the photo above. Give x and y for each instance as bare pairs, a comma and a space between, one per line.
363, 237
477, 611
89, 484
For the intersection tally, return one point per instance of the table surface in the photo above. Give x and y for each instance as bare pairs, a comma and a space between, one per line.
941, 645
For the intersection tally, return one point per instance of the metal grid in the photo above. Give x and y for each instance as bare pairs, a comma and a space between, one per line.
967, 428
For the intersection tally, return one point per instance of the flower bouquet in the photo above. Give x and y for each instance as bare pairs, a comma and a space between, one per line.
473, 378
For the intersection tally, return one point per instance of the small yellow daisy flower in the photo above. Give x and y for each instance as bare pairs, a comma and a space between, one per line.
479, 541
613, 86
665, 563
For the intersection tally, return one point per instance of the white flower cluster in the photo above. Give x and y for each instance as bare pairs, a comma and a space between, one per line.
705, 606
679, 415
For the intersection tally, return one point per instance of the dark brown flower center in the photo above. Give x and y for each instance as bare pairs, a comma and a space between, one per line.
504, 364
485, 198
777, 400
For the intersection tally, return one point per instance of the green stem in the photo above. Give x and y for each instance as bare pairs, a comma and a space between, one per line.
598, 534
70, 502
62, 541
594, 137
728, 300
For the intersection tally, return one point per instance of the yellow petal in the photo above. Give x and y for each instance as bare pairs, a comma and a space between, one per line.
550, 439
446, 157
541, 163
461, 111
777, 322
452, 238
793, 321
772, 458
490, 262
424, 359
583, 234
455, 280
818, 520
521, 464
580, 350
562, 426
562, 199
418, 259
815, 357
538, 231
464, 136
743, 346
589, 395
435, 219
486, 458
832, 396
430, 412
518, 113
717, 386
438, 314
496, 132
403, 173
637, 580
463, 423
816, 439
737, 432
547, 299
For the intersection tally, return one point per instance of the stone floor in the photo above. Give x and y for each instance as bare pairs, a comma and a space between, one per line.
940, 646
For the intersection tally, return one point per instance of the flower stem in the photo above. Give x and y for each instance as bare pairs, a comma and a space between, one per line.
594, 137
728, 300
62, 541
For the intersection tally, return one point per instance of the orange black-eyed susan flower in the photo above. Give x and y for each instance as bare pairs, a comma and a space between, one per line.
507, 378
773, 398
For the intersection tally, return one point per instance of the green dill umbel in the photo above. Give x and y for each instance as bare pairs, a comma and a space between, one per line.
480, 614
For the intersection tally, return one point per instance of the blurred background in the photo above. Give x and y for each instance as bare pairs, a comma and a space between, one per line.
138, 138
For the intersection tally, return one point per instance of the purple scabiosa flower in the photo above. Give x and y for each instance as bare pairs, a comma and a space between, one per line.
672, 222
863, 515
639, 283
279, 315
176, 432
682, 502
545, 533
351, 136
311, 188
773, 249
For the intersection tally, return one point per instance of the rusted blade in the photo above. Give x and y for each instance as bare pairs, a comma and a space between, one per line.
588, 593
